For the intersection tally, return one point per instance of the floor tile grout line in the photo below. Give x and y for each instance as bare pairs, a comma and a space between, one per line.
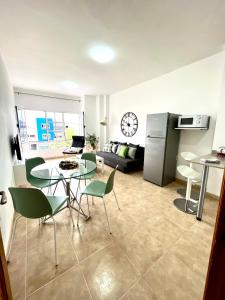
124, 251
136, 281
159, 258
77, 265
158, 296
71, 243
73, 247
83, 260
58, 276
52, 280
89, 291
171, 252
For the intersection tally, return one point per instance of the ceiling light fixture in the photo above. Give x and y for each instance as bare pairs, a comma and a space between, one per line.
101, 54
70, 85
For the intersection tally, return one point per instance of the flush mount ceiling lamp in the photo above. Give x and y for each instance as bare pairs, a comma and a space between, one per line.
101, 54
69, 85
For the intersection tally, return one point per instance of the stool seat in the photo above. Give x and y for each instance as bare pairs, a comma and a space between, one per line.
188, 172
188, 156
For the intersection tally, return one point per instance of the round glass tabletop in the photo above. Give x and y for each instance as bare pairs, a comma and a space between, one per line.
51, 170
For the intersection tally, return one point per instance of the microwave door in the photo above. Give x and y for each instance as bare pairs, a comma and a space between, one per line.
186, 121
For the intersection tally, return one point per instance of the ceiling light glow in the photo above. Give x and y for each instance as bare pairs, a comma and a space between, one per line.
68, 84
102, 54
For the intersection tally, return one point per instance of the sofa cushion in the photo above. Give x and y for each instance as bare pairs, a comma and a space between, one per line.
107, 147
114, 148
118, 160
123, 151
132, 152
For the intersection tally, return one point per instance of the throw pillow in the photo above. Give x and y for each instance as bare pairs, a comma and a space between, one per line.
123, 151
114, 148
132, 152
118, 149
107, 147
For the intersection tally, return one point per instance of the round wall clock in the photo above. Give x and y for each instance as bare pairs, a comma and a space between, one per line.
129, 124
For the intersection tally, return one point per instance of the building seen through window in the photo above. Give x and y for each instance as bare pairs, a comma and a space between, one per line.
45, 131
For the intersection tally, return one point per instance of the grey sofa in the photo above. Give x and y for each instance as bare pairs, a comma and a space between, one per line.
124, 164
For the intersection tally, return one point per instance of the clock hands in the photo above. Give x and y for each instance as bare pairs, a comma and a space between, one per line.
129, 124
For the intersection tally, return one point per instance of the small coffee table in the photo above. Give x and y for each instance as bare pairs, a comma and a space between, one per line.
100, 161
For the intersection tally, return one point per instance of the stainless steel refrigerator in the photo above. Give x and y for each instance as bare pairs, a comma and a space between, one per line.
161, 148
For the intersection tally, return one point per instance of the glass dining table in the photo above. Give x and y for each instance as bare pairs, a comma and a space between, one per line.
51, 171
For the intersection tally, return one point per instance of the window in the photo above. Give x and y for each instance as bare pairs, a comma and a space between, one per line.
47, 131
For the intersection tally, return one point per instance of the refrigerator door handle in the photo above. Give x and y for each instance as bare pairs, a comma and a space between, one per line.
153, 137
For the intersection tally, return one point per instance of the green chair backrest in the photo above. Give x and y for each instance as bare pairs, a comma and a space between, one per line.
89, 156
30, 203
30, 164
110, 182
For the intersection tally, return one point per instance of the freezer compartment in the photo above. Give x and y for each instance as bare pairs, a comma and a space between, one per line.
157, 125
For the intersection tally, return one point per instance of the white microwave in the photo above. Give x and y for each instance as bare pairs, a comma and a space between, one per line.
193, 121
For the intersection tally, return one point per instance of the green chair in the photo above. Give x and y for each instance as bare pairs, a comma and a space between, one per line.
99, 189
90, 157
33, 204
38, 183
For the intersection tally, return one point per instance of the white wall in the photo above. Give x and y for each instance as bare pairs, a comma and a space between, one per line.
96, 108
7, 129
219, 139
90, 113
192, 89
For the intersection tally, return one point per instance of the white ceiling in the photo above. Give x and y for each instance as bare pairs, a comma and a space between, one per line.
45, 42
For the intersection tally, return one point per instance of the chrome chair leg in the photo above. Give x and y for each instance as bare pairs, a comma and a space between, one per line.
78, 185
55, 188
49, 190
56, 256
78, 217
11, 240
116, 199
88, 206
106, 216
71, 213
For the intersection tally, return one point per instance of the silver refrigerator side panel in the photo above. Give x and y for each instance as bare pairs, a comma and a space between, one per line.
154, 160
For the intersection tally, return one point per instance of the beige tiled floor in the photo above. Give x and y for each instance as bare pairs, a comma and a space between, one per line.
155, 252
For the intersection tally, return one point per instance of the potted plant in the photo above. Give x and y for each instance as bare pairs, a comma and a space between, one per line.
92, 139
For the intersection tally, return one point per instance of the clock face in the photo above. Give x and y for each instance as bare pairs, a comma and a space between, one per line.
129, 124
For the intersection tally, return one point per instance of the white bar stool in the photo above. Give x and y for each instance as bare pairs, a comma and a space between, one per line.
188, 156
188, 205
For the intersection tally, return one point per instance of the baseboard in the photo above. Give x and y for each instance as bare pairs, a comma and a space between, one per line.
195, 186
10, 235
